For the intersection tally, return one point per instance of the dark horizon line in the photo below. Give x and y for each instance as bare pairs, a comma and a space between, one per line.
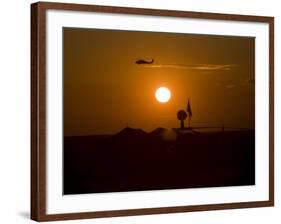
191, 128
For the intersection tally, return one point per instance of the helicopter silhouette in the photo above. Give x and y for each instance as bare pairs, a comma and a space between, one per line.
144, 61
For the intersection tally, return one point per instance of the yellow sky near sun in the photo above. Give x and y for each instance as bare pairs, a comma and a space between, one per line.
105, 91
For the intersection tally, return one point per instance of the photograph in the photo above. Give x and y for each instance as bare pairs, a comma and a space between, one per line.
141, 111
147, 110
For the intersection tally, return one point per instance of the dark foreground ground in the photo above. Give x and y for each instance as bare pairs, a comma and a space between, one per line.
133, 160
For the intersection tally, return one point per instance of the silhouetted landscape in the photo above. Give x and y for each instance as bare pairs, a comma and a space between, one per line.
133, 160
147, 110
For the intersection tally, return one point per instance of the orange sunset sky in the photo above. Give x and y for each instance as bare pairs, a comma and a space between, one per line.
105, 90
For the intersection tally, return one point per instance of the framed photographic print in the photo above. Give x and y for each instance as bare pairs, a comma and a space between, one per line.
143, 111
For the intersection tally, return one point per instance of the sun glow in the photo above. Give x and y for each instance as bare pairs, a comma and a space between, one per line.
163, 95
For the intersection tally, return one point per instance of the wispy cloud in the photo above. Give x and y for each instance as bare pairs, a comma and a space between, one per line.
246, 82
203, 67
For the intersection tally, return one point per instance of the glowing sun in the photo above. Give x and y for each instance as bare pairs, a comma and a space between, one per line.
163, 95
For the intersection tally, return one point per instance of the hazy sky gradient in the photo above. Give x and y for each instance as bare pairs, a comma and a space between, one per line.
104, 90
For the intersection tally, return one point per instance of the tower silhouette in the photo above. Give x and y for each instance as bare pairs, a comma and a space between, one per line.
181, 115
